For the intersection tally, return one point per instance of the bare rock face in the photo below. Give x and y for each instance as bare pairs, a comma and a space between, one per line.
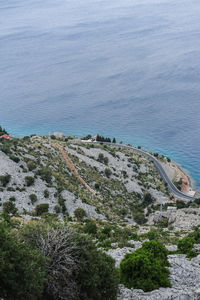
72, 204
182, 219
184, 277
119, 253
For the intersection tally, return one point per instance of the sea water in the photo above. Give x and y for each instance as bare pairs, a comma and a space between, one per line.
123, 68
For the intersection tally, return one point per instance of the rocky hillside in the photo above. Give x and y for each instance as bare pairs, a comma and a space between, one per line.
108, 182
107, 191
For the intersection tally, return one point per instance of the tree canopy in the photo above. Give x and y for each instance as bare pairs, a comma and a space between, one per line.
145, 268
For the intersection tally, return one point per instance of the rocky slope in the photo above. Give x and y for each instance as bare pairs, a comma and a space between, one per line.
119, 178
118, 189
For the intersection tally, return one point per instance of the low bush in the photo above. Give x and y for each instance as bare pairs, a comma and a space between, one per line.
33, 198
186, 245
61, 202
139, 218
46, 194
45, 174
108, 172
5, 179
13, 199
41, 209
31, 165
146, 267
90, 227
14, 158
79, 213
57, 209
9, 208
29, 180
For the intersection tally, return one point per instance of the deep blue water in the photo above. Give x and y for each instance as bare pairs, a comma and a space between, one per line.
123, 68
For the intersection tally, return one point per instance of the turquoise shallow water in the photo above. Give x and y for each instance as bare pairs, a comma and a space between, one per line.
128, 69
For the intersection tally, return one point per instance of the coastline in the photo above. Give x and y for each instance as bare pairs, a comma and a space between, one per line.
175, 172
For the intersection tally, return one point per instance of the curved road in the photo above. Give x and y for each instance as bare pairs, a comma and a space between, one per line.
173, 189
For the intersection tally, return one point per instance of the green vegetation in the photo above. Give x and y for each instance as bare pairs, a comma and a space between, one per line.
61, 202
103, 159
90, 227
41, 209
186, 246
33, 198
101, 138
98, 277
79, 213
22, 268
108, 172
29, 180
14, 158
5, 179
146, 268
116, 202
46, 194
31, 165
43, 260
9, 208
178, 183
45, 174
86, 272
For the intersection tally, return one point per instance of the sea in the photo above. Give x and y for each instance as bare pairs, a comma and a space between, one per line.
128, 69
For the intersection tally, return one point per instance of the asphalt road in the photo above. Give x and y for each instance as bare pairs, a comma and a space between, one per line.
172, 188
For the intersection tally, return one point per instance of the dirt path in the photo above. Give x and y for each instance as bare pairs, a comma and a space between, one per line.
72, 166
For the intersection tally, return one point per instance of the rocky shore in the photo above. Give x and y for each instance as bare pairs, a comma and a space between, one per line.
176, 174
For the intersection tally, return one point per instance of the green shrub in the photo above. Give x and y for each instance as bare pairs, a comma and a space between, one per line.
42, 208
10, 189
61, 202
106, 160
57, 209
180, 204
157, 250
33, 198
146, 267
9, 208
46, 194
186, 245
45, 174
14, 158
153, 235
29, 180
5, 179
31, 165
22, 269
107, 230
164, 222
139, 218
148, 199
90, 227
97, 276
196, 235
101, 157
108, 172
79, 213
13, 199
5, 148
96, 186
